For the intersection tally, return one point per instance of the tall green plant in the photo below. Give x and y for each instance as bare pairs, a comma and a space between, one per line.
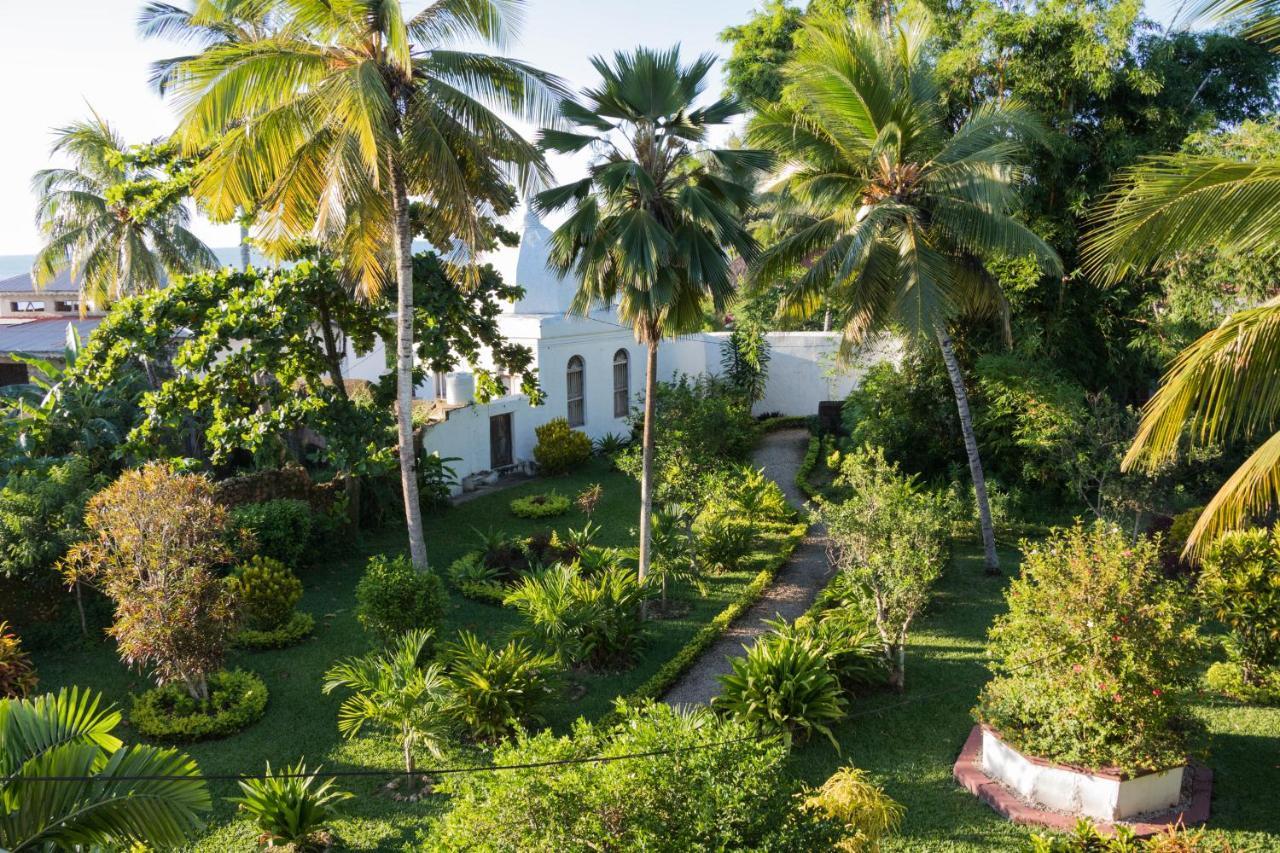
883, 212
108, 802
652, 225
328, 127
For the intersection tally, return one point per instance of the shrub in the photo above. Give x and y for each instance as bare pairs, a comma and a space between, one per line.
849, 643
393, 692
850, 797
266, 593
1240, 585
546, 505
437, 481
594, 621
296, 629
237, 700
610, 444
17, 673
281, 527
471, 577
783, 684
724, 791
1227, 678
560, 449
1086, 838
1175, 540
155, 540
889, 536
722, 540
495, 690
291, 808
41, 516
673, 552
1093, 657
393, 597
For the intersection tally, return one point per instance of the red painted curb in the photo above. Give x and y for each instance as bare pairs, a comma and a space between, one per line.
968, 772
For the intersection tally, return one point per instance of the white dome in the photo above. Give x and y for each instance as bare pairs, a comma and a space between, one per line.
544, 291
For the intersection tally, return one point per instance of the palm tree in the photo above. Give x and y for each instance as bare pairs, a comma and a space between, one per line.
653, 221
113, 247
108, 803
329, 125
885, 215
1223, 387
391, 691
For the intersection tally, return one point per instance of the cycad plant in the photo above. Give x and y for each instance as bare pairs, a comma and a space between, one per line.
328, 126
392, 691
1223, 387
884, 214
104, 805
291, 808
652, 225
112, 245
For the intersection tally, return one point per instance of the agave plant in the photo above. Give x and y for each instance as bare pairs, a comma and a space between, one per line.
292, 807
495, 689
117, 797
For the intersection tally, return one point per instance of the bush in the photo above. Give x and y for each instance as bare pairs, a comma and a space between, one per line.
296, 629
155, 541
495, 690
890, 537
393, 597
41, 516
560, 449
1175, 540
266, 593
724, 791
1087, 839
291, 808
17, 673
282, 528
783, 684
851, 798
473, 579
1092, 660
1240, 585
1227, 678
722, 540
237, 700
849, 643
594, 621
546, 505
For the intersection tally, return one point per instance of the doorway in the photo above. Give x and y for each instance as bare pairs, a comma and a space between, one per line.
500, 445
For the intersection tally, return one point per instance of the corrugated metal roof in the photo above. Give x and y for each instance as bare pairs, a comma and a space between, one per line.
23, 283
43, 337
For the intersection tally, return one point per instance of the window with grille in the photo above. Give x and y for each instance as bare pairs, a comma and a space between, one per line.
621, 383
576, 393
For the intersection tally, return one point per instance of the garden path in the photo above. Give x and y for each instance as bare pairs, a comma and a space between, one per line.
793, 589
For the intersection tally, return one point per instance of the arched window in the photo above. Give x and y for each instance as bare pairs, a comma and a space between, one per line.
577, 412
621, 383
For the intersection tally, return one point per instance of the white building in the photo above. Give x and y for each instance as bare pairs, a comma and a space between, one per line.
592, 369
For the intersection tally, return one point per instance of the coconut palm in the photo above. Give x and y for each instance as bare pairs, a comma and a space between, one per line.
328, 126
652, 223
113, 246
1223, 387
104, 805
884, 214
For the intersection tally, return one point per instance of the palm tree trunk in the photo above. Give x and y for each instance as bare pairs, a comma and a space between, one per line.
244, 247
971, 448
404, 371
646, 468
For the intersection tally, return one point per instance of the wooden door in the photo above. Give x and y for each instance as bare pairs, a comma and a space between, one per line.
500, 449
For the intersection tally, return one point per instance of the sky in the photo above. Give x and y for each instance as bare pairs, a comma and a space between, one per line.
61, 57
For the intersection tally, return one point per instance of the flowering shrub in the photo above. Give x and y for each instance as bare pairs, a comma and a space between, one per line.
1093, 657
1240, 585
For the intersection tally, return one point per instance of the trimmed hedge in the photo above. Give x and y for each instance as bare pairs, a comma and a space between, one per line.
237, 700
786, 422
547, 505
296, 629
671, 671
807, 465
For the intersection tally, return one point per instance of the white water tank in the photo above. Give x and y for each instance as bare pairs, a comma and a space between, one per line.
459, 388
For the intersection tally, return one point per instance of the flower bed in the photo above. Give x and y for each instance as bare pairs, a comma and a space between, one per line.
546, 505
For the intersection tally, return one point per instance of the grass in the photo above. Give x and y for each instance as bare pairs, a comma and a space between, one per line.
302, 723
909, 743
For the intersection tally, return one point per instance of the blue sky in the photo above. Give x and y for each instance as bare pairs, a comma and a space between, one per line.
60, 56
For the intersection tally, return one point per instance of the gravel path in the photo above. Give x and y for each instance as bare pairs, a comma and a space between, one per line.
793, 589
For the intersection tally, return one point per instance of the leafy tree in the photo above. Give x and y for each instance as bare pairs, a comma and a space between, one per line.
328, 127
392, 691
155, 539
103, 224
653, 222
108, 802
891, 216
744, 360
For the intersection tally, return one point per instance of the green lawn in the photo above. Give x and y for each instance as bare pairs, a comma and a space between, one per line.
911, 745
301, 721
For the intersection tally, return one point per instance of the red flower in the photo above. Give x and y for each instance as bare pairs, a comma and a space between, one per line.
1077, 668
1157, 692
